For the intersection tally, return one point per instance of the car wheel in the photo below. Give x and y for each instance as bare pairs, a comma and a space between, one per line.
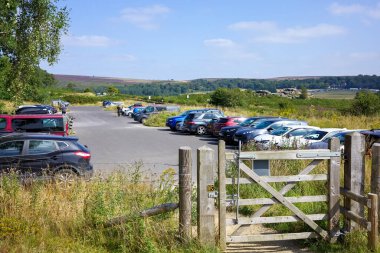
178, 126
65, 177
201, 130
129, 114
143, 120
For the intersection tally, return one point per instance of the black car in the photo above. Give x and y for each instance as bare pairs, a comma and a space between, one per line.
44, 156
36, 109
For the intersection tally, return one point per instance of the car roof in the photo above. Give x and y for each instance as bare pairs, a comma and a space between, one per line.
31, 116
39, 136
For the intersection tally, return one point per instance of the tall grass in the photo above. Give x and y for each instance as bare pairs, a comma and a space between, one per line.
43, 217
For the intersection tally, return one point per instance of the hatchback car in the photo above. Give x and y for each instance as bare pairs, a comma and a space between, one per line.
36, 109
44, 156
225, 122
264, 127
197, 122
227, 133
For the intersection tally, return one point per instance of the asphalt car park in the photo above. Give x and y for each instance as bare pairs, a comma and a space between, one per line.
120, 143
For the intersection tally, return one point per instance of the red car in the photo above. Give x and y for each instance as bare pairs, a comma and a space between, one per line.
227, 121
42, 123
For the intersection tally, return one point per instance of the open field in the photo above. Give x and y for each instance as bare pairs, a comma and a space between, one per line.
336, 94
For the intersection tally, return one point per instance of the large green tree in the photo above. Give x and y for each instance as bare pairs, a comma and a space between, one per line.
30, 31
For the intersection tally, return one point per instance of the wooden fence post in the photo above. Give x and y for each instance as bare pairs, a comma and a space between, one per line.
205, 205
334, 190
375, 171
354, 174
373, 218
185, 190
222, 194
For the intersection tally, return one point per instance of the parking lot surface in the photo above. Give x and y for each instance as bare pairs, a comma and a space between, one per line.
117, 143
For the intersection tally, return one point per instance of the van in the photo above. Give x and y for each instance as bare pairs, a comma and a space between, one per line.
42, 123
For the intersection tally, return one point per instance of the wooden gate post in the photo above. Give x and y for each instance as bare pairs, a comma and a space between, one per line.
354, 174
222, 194
184, 170
334, 190
375, 171
205, 204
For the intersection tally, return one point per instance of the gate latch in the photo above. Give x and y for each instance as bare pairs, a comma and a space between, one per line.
213, 195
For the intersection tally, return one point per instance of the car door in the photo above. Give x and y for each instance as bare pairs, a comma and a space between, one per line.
10, 154
42, 157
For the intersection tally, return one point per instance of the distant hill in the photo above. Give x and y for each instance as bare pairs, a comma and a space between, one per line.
84, 81
174, 87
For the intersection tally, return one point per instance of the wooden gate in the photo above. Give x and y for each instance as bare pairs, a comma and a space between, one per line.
250, 176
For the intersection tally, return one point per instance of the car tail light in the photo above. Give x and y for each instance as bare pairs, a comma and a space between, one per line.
190, 122
84, 155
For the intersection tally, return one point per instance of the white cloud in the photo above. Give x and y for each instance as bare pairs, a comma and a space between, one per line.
123, 58
253, 25
364, 10
144, 17
219, 43
270, 32
88, 41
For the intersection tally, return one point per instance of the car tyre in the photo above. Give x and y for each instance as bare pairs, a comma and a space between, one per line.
129, 114
178, 126
65, 177
143, 120
201, 130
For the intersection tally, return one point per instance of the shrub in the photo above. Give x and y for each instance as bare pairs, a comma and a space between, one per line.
227, 97
365, 103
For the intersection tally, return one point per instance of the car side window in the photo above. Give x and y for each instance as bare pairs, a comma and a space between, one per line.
3, 123
11, 148
208, 116
62, 145
298, 132
41, 147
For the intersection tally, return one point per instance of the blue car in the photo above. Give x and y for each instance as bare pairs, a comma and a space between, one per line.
174, 123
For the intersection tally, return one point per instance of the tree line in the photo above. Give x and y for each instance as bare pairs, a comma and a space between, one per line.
205, 85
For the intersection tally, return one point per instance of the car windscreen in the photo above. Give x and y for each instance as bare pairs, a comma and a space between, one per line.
280, 131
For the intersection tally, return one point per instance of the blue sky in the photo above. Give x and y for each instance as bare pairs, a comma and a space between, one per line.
189, 39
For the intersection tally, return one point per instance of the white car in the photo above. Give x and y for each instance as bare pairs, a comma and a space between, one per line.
280, 136
127, 111
314, 136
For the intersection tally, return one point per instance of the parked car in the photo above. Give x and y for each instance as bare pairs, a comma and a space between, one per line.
227, 133
136, 111
325, 143
281, 135
153, 109
57, 124
127, 111
266, 126
314, 136
46, 156
175, 122
36, 109
196, 122
225, 122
